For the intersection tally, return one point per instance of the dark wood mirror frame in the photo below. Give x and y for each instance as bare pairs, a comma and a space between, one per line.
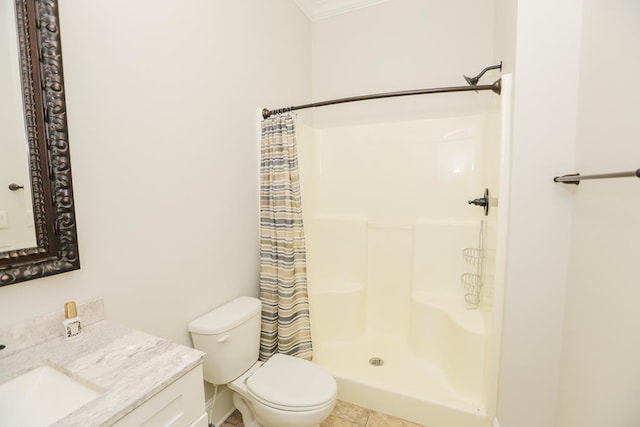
48, 142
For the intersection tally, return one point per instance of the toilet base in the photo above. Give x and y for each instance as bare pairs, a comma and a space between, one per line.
248, 419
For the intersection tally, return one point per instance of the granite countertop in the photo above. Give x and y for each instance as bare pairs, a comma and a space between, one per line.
127, 366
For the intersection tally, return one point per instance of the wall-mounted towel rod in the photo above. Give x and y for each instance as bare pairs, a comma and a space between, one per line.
576, 177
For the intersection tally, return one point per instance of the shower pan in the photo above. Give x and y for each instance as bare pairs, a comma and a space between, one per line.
405, 277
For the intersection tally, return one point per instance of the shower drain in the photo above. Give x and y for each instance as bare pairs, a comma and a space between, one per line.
376, 361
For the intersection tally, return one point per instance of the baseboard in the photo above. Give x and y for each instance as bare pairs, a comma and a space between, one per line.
495, 422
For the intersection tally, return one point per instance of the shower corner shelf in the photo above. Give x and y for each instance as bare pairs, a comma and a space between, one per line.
472, 282
472, 256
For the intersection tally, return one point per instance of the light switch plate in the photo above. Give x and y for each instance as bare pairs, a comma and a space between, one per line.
4, 221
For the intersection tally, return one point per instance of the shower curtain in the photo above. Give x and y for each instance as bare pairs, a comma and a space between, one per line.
283, 271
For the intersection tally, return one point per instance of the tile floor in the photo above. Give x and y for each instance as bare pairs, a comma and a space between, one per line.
344, 415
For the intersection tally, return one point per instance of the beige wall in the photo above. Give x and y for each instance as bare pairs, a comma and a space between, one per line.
600, 380
162, 99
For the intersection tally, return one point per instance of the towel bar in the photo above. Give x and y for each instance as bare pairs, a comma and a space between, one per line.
576, 177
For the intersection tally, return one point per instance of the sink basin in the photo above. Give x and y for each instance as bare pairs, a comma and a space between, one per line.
41, 397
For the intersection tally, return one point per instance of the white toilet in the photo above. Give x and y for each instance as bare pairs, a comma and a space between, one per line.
285, 391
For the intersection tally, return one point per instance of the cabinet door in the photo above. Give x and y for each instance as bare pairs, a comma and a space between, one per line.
203, 421
181, 404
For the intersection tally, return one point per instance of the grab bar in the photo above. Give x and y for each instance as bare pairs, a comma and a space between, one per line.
576, 177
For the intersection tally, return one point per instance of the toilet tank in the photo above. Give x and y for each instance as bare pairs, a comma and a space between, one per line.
230, 337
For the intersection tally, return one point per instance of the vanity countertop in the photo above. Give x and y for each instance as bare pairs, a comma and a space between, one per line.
126, 365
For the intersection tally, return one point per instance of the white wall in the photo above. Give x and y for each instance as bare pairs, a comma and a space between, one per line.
162, 99
545, 61
600, 380
402, 45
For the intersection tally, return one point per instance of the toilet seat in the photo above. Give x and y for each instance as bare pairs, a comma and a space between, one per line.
291, 384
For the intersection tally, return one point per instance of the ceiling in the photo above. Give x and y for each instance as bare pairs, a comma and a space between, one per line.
320, 9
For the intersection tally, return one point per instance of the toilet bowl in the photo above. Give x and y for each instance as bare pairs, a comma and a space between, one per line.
284, 391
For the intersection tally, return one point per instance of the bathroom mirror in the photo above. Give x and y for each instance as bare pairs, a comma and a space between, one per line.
38, 158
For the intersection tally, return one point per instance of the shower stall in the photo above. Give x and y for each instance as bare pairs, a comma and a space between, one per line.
405, 275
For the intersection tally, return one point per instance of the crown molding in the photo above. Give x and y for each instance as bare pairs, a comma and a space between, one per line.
321, 9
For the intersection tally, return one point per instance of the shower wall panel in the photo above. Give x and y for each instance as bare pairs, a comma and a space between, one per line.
438, 253
397, 172
336, 266
390, 261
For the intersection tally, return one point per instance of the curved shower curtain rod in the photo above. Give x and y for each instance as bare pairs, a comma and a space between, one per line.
495, 88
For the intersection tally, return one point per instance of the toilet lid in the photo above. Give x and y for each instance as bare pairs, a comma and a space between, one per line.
289, 382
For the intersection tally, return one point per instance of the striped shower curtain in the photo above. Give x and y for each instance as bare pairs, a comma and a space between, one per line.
283, 268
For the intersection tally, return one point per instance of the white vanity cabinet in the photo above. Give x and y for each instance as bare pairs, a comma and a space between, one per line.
143, 380
181, 404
